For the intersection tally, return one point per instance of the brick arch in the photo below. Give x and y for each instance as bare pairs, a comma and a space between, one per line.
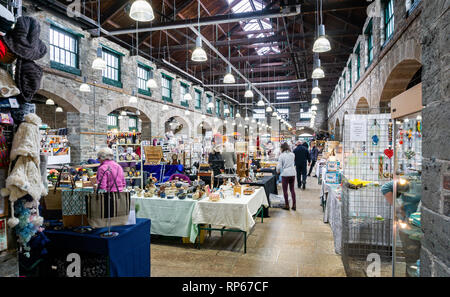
64, 98
165, 116
398, 79
337, 130
146, 115
362, 106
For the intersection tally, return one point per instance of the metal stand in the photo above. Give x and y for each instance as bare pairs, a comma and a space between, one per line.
109, 233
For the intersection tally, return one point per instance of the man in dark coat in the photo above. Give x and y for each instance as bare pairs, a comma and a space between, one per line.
301, 158
313, 153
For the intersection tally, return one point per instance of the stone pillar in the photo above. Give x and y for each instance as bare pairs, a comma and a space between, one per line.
435, 256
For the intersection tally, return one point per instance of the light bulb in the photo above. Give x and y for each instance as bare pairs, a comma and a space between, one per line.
199, 54
229, 77
99, 63
50, 102
322, 44
141, 11
151, 84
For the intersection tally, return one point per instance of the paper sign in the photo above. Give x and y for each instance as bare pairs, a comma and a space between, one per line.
13, 102
358, 130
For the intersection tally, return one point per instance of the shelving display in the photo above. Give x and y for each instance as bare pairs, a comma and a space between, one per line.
55, 145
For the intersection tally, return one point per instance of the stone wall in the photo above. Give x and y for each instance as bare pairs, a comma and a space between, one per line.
395, 63
435, 255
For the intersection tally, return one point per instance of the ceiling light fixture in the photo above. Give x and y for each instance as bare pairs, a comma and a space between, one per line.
99, 63
50, 102
229, 77
318, 71
133, 98
313, 108
142, 11
248, 92
316, 90
322, 44
260, 102
84, 87
199, 54
59, 109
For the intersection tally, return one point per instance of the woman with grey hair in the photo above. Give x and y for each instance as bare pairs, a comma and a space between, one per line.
109, 173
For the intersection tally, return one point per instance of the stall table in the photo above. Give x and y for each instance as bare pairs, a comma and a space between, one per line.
270, 186
127, 255
232, 214
170, 217
166, 170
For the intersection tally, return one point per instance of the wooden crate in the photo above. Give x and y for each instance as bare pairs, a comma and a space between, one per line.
153, 155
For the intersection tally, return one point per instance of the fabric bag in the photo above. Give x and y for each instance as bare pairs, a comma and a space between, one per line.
74, 207
105, 208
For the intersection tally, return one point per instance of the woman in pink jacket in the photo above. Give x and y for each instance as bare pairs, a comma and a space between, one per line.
109, 171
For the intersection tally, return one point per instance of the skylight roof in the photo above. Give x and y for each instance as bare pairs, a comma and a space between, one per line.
254, 25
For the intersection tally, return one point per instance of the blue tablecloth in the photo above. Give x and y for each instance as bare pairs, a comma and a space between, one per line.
128, 253
156, 170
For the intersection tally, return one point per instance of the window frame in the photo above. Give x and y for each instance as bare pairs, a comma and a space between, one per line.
388, 20
358, 62
185, 87
170, 80
218, 109
110, 81
148, 69
116, 116
135, 128
349, 67
209, 98
231, 111
198, 101
60, 66
370, 47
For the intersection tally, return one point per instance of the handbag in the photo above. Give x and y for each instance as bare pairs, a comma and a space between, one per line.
52, 203
108, 208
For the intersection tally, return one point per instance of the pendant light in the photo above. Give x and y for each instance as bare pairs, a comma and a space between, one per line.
151, 83
274, 114
229, 77
210, 104
238, 115
99, 63
142, 11
318, 71
315, 100
203, 116
50, 102
322, 44
253, 120
59, 109
314, 108
187, 112
226, 110
187, 96
123, 113
199, 54
225, 122
84, 87
269, 108
316, 90
133, 98
248, 92
246, 118
260, 102
240, 125
120, 117
165, 107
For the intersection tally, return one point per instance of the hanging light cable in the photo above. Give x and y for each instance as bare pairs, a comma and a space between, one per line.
199, 54
151, 83
99, 63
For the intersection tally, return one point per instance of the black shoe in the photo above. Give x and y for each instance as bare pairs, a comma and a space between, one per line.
303, 188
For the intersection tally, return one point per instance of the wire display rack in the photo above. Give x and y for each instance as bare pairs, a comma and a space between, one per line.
367, 217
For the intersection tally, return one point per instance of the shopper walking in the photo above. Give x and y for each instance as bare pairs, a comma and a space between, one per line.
285, 167
301, 158
109, 173
313, 153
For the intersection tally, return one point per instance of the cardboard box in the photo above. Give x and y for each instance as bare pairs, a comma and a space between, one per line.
333, 177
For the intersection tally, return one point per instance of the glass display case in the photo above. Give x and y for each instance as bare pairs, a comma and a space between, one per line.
406, 195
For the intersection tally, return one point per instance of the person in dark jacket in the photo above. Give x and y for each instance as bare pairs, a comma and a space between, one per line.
313, 153
301, 158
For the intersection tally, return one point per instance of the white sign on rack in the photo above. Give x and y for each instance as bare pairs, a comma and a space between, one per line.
358, 130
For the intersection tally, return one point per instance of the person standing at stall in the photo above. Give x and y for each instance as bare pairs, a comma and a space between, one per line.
301, 158
313, 153
285, 167
109, 173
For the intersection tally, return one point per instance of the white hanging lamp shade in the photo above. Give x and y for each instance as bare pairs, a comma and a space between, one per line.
260, 102
314, 112
123, 113
50, 102
248, 92
240, 125
318, 71
253, 121
274, 114
210, 105
165, 107
315, 100
246, 118
59, 109
313, 108
234, 123
151, 83
225, 122
120, 117
142, 11
269, 109
199, 54
229, 77
322, 44
238, 115
187, 97
187, 112
133, 98
99, 63
316, 90
226, 110
84, 87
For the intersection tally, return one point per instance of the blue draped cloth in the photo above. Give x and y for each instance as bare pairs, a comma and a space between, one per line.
155, 170
128, 253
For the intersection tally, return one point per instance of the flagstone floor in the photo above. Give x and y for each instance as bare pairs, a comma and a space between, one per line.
288, 244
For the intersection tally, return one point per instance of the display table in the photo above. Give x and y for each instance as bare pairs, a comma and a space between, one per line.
270, 186
128, 254
170, 217
166, 170
333, 213
234, 213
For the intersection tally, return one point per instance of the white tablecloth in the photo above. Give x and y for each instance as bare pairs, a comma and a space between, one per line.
170, 217
333, 214
230, 212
